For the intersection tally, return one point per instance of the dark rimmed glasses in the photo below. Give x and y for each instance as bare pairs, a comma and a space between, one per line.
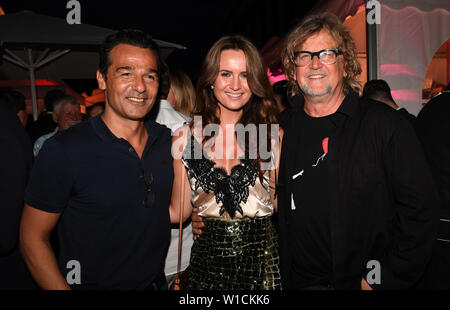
149, 199
327, 56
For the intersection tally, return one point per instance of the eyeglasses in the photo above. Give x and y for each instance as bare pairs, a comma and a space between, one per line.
327, 57
149, 194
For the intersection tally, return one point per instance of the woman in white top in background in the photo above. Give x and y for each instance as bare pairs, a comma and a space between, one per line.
174, 113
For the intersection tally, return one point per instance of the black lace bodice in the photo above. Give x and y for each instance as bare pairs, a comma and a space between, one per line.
231, 190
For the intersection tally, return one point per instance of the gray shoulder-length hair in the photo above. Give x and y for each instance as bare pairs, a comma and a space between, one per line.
310, 26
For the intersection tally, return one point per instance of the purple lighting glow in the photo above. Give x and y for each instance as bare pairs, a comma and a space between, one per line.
396, 69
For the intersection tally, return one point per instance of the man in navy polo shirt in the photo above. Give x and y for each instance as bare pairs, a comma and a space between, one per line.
106, 183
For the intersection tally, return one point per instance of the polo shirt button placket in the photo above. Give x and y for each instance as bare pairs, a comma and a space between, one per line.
141, 176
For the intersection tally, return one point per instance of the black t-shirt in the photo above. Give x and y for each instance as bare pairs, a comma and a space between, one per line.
310, 211
98, 184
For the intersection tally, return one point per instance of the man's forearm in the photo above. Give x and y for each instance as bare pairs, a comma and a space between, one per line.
41, 262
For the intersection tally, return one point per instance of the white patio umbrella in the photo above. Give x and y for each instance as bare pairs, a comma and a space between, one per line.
34, 42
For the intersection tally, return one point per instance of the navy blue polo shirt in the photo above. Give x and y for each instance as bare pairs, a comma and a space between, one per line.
95, 181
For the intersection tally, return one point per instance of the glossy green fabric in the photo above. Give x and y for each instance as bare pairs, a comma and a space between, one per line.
235, 255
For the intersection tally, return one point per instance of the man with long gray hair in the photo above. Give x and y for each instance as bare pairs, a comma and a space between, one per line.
357, 204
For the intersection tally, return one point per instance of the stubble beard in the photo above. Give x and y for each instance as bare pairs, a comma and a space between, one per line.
307, 91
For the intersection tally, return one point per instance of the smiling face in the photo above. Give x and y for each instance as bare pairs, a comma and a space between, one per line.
69, 115
317, 79
132, 83
231, 87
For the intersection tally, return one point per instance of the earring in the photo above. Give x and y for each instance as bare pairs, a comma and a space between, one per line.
212, 87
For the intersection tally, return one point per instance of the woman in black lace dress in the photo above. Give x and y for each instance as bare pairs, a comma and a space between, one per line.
226, 159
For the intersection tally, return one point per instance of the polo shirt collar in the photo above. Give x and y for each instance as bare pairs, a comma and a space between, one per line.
165, 104
101, 129
105, 133
349, 104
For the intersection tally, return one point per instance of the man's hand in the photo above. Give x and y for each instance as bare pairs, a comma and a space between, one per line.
197, 223
365, 286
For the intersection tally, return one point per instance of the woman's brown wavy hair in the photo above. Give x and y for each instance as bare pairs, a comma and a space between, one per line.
261, 107
310, 26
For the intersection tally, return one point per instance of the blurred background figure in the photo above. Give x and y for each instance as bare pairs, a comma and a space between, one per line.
15, 164
95, 109
280, 90
66, 113
379, 90
16, 101
433, 130
437, 89
175, 96
45, 122
182, 93
176, 92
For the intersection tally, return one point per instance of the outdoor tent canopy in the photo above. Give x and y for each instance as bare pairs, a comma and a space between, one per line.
409, 34
58, 50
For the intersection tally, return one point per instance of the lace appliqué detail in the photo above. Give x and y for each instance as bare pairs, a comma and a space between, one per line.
231, 190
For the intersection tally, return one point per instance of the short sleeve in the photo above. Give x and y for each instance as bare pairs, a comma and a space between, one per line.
51, 179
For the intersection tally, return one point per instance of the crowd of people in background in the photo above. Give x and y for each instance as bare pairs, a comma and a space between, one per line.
355, 177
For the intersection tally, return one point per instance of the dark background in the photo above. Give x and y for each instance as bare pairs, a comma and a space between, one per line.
193, 24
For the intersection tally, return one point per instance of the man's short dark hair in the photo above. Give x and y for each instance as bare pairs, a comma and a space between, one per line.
98, 104
281, 89
377, 89
132, 37
51, 97
14, 99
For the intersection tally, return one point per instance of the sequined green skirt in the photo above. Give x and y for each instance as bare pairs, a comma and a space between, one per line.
235, 255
